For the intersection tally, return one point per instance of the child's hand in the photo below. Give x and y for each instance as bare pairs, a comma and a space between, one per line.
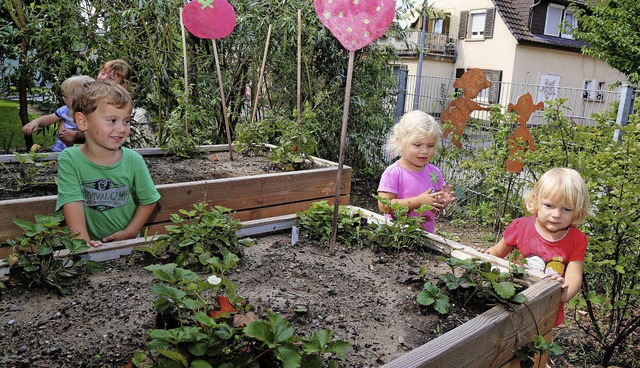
560, 279
68, 136
448, 195
29, 128
94, 243
436, 200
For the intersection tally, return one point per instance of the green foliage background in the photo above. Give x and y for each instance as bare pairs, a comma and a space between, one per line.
147, 34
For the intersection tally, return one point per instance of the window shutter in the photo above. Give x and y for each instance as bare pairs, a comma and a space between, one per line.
488, 23
464, 19
494, 91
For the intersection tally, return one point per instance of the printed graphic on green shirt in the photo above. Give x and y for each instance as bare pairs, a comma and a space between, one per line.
103, 194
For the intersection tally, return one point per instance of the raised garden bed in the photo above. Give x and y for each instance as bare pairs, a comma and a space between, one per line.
487, 340
267, 202
251, 197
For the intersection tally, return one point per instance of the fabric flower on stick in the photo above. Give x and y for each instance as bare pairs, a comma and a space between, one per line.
212, 19
355, 23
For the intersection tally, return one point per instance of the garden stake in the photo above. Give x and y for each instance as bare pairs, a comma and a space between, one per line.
184, 65
343, 139
355, 24
299, 62
264, 61
222, 99
212, 19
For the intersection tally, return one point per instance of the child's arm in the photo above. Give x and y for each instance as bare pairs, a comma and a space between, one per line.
572, 280
143, 212
44, 120
501, 249
436, 200
74, 217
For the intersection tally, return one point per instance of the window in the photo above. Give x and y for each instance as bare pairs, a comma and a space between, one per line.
600, 94
476, 24
559, 16
589, 90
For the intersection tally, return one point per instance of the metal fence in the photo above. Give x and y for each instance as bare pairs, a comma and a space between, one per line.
435, 93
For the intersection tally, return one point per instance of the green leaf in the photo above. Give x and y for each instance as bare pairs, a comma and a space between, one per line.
174, 356
289, 354
505, 289
200, 364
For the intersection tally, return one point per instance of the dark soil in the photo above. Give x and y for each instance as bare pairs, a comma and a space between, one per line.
366, 298
163, 170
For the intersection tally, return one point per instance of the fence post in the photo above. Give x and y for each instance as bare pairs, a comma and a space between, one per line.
402, 75
625, 108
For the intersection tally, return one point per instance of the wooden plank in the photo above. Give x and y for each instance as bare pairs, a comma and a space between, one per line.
489, 339
252, 192
252, 196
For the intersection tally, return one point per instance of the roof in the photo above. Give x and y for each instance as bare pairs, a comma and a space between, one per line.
515, 14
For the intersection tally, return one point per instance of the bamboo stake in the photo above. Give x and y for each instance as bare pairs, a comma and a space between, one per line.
258, 87
184, 65
343, 139
299, 63
224, 103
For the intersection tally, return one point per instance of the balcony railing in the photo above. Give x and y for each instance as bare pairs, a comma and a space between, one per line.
434, 43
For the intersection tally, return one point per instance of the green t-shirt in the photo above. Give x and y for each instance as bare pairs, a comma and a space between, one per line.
110, 193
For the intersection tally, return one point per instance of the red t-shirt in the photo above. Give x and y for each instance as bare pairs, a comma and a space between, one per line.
548, 256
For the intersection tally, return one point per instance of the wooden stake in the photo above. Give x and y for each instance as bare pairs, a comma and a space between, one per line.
184, 65
258, 87
224, 103
299, 63
343, 140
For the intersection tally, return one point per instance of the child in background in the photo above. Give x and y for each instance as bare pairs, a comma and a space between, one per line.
105, 191
68, 133
116, 71
549, 240
119, 72
412, 181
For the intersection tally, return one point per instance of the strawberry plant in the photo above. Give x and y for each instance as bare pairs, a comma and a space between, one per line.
471, 280
316, 223
31, 164
198, 234
47, 254
201, 334
403, 231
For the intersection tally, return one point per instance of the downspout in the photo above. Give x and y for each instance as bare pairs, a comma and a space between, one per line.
529, 15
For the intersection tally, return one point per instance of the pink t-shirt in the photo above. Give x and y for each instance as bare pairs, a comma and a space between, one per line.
548, 256
406, 184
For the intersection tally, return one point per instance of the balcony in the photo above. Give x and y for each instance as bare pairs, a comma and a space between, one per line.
435, 44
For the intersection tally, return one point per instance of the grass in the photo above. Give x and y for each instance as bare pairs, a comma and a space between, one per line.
11, 137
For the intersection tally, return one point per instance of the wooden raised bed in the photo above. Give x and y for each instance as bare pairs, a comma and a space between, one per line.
488, 340
250, 197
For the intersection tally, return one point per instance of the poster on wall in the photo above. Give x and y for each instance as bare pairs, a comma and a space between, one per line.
548, 87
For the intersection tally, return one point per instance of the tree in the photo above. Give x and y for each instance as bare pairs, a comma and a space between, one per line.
612, 29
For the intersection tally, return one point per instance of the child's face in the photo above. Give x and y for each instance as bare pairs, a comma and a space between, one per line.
67, 99
110, 75
107, 127
554, 217
419, 152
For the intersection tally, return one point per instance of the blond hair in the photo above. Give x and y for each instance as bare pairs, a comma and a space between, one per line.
562, 185
120, 68
72, 86
101, 91
412, 126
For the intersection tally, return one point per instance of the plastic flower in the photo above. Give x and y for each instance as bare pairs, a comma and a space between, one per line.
214, 280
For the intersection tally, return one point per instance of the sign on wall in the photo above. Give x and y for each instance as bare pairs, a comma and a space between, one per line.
548, 87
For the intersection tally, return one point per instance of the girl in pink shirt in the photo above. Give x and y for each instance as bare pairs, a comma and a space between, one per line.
412, 181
